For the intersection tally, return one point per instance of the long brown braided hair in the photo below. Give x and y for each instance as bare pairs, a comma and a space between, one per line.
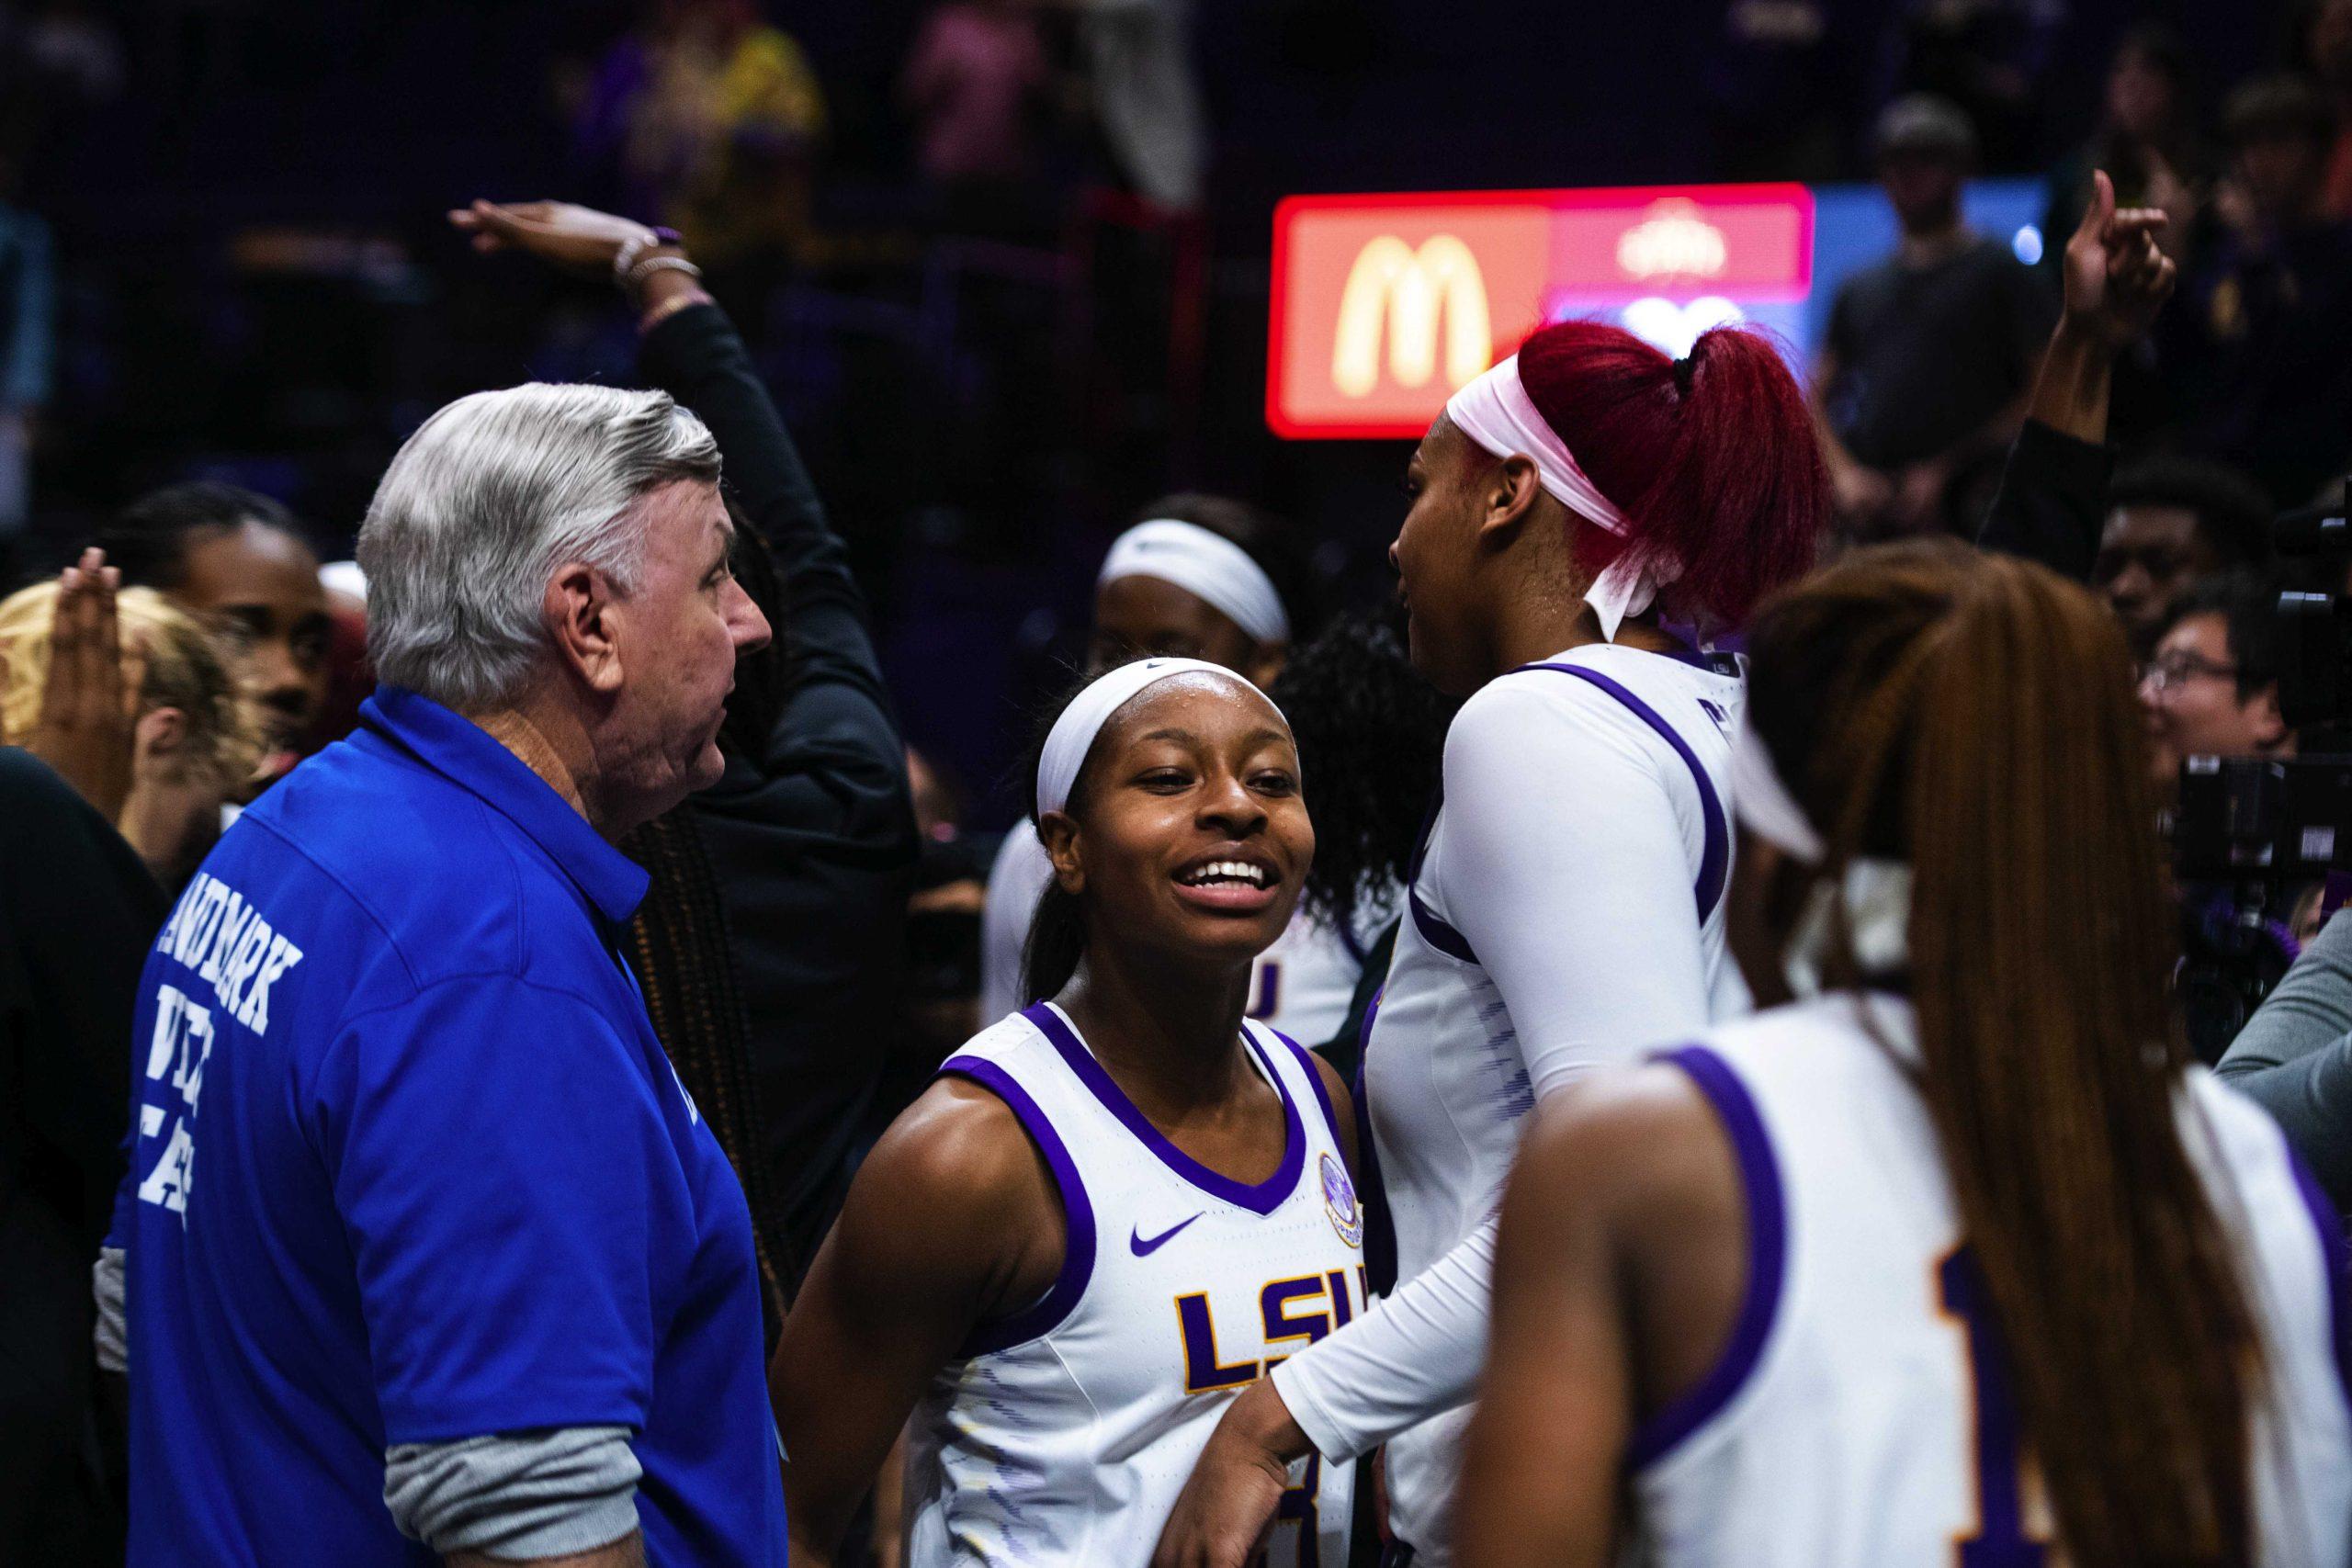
1973, 716
679, 941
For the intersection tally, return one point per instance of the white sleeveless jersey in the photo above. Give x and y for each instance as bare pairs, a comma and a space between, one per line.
1446, 1084
1301, 985
1063, 1435
1861, 1415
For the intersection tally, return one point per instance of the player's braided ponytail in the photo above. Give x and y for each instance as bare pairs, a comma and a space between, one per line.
1973, 716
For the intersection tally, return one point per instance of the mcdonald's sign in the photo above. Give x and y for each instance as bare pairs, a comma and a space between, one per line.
1383, 305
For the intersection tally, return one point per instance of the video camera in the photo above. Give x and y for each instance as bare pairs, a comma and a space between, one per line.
2252, 836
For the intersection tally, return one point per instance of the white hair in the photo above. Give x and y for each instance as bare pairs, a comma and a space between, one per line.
485, 500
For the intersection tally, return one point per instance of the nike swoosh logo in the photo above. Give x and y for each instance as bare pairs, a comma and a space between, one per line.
1143, 1248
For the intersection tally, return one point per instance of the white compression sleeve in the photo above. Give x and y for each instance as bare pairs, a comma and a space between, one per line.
1019, 876
1564, 867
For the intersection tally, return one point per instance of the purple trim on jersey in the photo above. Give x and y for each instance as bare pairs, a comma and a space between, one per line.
1437, 933
1078, 1214
1379, 1224
1307, 1064
1434, 931
1767, 1250
1263, 1199
2337, 1258
1714, 856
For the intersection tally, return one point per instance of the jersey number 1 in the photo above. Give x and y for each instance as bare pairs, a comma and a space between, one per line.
2000, 1539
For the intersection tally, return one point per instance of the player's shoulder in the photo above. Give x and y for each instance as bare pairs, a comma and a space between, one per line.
1619, 685
971, 1142
1633, 1136
1594, 703
1007, 1044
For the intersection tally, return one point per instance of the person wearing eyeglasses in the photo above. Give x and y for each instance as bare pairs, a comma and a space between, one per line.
2211, 687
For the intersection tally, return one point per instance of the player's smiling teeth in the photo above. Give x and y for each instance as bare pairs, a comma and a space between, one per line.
1228, 871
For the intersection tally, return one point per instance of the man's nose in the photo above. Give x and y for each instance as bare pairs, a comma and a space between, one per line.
747, 623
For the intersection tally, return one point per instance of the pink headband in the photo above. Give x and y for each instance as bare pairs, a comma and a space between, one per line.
1495, 412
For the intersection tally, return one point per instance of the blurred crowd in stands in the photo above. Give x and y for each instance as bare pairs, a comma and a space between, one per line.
1000, 264
1002, 261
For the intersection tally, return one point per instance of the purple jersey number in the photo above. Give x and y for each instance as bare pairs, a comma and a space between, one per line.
2000, 1539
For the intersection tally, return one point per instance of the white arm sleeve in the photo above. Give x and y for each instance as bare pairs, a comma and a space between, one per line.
1015, 882
1564, 865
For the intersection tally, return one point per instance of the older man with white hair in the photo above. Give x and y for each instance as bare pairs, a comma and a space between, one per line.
449, 1268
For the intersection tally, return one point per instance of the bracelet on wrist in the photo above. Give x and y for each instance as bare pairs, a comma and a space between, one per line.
633, 249
637, 275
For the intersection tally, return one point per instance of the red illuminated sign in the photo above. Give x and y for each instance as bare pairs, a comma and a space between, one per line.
1383, 305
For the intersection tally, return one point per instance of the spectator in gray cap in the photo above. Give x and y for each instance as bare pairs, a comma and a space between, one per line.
1922, 380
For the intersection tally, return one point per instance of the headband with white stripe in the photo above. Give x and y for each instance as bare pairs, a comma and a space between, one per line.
1205, 564
1495, 412
1073, 734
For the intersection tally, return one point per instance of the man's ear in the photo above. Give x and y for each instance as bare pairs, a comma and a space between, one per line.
579, 611
1507, 495
1059, 833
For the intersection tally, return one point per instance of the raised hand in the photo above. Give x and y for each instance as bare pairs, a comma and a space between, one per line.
577, 239
88, 702
2117, 275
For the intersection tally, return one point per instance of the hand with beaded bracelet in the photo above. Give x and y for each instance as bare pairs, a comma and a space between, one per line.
649, 263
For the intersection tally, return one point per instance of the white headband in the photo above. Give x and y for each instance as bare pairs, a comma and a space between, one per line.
1763, 804
1877, 892
1207, 565
1495, 412
1073, 734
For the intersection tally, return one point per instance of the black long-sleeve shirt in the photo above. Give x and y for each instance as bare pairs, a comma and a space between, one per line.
813, 839
2052, 504
77, 913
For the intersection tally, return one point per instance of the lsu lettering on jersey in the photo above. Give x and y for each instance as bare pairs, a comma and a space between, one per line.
1062, 1435
1445, 1078
1861, 1415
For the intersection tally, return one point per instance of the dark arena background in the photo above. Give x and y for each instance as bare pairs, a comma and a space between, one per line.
252, 278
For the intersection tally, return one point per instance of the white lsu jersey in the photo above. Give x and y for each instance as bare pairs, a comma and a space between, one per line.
1062, 1435
1301, 985
1445, 1082
1861, 1417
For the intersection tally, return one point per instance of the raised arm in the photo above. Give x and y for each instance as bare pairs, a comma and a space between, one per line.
827, 764
952, 1222
2053, 493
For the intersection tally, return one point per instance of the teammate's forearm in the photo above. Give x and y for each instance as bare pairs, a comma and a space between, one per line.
2070, 395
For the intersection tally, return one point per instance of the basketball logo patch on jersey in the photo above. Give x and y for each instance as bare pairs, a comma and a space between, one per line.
1340, 1202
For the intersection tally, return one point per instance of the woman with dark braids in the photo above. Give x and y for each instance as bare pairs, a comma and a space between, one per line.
771, 938
1952, 1257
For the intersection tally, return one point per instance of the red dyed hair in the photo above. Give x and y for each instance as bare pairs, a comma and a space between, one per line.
1715, 464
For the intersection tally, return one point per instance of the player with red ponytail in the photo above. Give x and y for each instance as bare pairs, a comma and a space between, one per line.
1586, 516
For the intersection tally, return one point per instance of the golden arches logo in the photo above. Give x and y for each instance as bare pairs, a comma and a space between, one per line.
1411, 292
